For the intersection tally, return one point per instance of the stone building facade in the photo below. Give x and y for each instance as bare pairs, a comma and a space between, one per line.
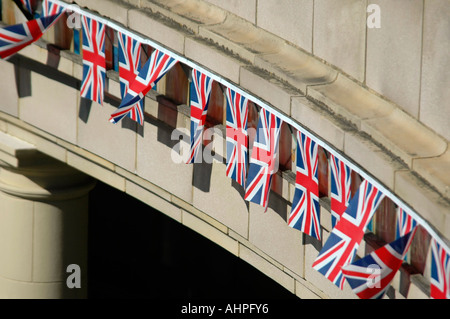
378, 96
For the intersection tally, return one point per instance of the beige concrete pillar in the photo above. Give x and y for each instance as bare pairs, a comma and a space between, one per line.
43, 223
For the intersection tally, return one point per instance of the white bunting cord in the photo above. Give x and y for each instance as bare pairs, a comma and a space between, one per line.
283, 117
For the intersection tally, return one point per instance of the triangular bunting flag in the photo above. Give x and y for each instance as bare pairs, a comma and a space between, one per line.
370, 276
440, 271
16, 37
237, 137
129, 64
305, 212
264, 160
345, 238
341, 180
94, 64
155, 68
200, 93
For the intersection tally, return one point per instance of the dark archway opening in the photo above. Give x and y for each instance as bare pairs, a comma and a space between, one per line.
138, 252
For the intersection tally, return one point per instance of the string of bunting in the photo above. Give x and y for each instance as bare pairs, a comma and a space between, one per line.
350, 215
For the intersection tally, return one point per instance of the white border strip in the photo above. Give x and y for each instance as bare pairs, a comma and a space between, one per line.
286, 119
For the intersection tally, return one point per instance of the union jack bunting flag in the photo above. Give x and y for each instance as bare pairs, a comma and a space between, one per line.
405, 223
370, 276
16, 37
264, 159
27, 4
129, 64
200, 93
305, 212
237, 136
152, 71
440, 271
341, 179
345, 238
94, 64
50, 8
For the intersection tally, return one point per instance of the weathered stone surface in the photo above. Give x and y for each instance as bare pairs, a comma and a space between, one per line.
158, 29
394, 53
290, 19
419, 288
49, 240
10, 101
319, 121
210, 233
372, 158
296, 67
423, 199
435, 92
154, 156
55, 113
404, 136
244, 9
122, 152
114, 9
103, 174
348, 99
213, 58
436, 170
289, 73
153, 200
220, 200
272, 91
188, 13
241, 37
340, 33
17, 257
270, 233
267, 268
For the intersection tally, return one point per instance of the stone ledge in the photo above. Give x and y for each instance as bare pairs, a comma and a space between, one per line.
96, 171
190, 14
433, 170
188, 208
429, 204
241, 37
346, 98
303, 292
153, 200
296, 67
318, 119
213, 58
245, 242
271, 90
210, 232
267, 268
268, 52
373, 158
405, 137
164, 31
134, 187
13, 150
